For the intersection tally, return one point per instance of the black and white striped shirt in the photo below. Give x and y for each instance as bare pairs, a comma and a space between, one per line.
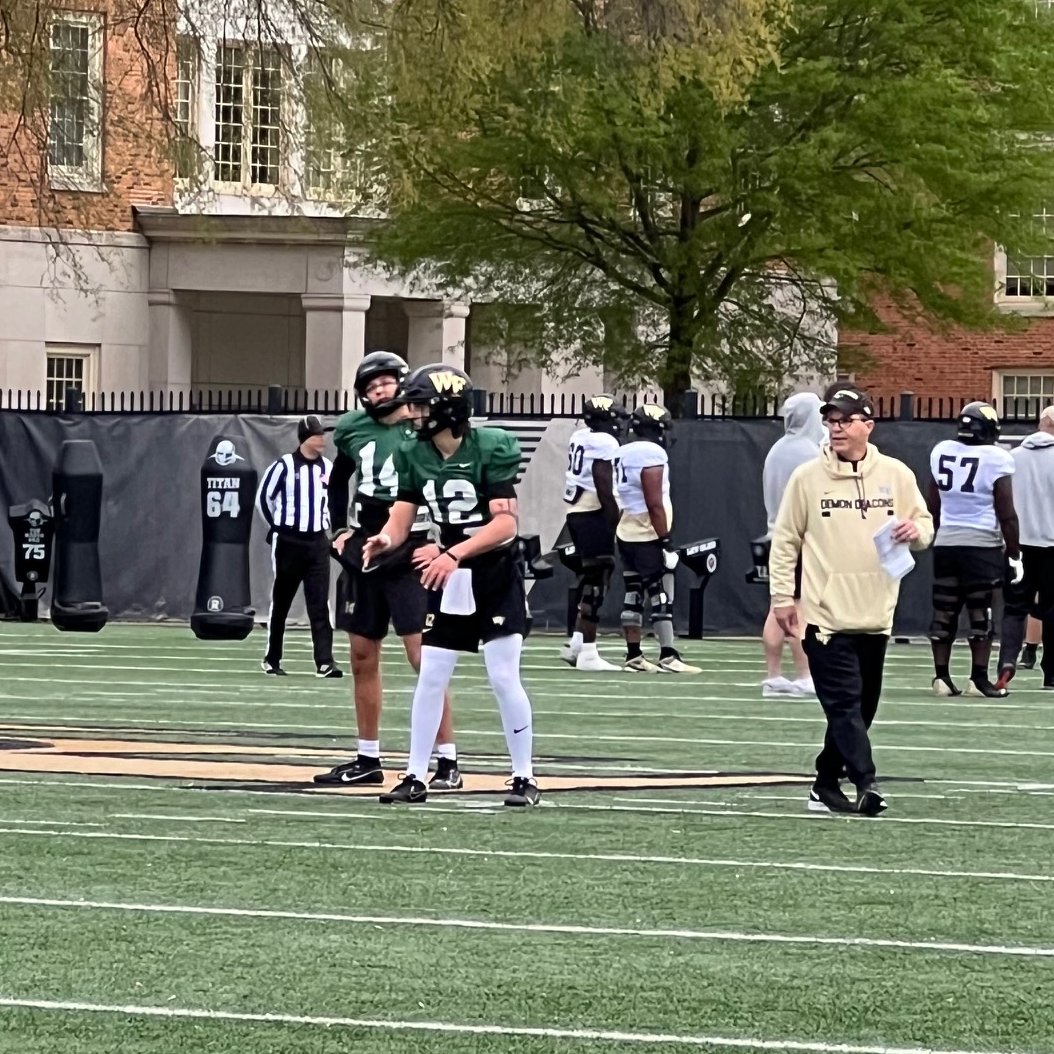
293, 496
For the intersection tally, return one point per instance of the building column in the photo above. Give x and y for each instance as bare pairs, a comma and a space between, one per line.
436, 332
171, 344
334, 340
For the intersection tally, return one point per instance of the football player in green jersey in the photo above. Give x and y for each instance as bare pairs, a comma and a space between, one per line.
391, 592
466, 477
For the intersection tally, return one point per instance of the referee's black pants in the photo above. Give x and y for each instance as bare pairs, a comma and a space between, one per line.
847, 674
300, 560
1034, 595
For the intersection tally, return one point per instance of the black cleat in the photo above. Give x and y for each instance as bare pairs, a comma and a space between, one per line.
447, 776
522, 791
1006, 675
329, 671
411, 791
869, 800
1028, 657
272, 669
362, 771
826, 797
984, 687
1048, 683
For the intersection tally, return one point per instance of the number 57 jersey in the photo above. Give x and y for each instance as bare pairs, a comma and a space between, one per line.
966, 475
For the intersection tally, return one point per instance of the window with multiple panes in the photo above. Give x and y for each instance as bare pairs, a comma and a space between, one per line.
185, 146
76, 93
68, 366
248, 131
1025, 394
1031, 276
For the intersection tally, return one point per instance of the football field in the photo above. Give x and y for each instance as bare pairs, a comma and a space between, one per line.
171, 880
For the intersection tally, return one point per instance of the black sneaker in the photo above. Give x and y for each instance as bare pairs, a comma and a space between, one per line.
1048, 683
362, 770
329, 671
1028, 657
411, 791
869, 800
826, 797
272, 669
984, 687
1006, 675
447, 776
522, 791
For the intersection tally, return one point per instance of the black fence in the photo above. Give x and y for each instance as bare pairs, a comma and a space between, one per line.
905, 406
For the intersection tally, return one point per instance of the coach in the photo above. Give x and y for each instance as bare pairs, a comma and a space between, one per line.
831, 510
293, 500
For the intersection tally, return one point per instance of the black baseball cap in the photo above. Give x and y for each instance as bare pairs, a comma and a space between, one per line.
311, 425
848, 400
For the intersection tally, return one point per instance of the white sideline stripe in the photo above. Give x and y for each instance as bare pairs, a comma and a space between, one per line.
537, 854
1024, 951
178, 819
450, 1028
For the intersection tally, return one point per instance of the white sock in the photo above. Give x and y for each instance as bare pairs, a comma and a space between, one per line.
437, 667
502, 659
370, 748
575, 643
447, 750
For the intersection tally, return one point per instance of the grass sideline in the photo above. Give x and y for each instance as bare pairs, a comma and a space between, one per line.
159, 914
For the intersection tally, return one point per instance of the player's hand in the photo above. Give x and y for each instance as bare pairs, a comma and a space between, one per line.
375, 545
670, 559
905, 531
438, 571
425, 555
787, 619
340, 541
1017, 569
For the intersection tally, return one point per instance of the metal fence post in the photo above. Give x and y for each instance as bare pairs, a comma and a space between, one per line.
907, 406
689, 404
73, 401
274, 399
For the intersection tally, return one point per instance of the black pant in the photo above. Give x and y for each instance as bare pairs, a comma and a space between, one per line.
1033, 595
847, 673
301, 560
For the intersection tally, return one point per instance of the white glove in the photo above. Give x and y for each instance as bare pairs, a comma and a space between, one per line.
1017, 569
670, 559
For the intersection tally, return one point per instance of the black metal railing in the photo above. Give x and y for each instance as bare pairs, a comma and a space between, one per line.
903, 406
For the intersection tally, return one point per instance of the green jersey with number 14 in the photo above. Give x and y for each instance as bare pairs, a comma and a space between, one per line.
458, 490
372, 446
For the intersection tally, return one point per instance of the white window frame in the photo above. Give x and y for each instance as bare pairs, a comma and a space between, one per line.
187, 137
250, 59
999, 378
88, 176
88, 354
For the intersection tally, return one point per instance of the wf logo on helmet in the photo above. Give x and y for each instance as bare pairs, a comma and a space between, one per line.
448, 381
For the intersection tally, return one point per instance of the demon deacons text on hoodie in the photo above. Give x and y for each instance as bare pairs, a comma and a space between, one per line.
830, 513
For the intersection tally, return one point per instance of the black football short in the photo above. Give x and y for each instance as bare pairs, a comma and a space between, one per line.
368, 601
501, 607
593, 536
971, 567
642, 558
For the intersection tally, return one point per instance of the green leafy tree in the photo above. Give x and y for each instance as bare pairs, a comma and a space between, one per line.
687, 189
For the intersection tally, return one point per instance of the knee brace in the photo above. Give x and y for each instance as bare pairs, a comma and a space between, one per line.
979, 613
660, 601
633, 602
593, 585
947, 603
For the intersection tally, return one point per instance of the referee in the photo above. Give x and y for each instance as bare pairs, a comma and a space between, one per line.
293, 500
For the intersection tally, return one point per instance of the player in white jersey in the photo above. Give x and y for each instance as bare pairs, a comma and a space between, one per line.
972, 502
591, 517
642, 478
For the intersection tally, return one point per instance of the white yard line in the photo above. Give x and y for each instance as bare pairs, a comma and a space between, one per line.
177, 819
537, 854
450, 1028
735, 937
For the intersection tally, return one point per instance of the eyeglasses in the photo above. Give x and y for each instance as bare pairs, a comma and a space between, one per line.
840, 424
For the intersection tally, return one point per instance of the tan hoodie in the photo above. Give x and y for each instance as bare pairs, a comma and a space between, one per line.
829, 514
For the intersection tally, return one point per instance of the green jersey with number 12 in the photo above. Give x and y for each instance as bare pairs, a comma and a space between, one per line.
458, 490
372, 446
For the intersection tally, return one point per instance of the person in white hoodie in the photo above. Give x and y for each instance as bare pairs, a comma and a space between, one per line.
803, 435
1034, 501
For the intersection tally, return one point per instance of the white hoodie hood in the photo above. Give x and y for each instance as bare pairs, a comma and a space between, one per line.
804, 433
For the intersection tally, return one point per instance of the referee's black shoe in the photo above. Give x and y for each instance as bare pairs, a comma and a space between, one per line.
362, 771
869, 800
828, 797
329, 670
272, 669
411, 791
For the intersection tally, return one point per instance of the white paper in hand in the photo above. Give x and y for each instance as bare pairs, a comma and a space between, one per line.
457, 598
896, 557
